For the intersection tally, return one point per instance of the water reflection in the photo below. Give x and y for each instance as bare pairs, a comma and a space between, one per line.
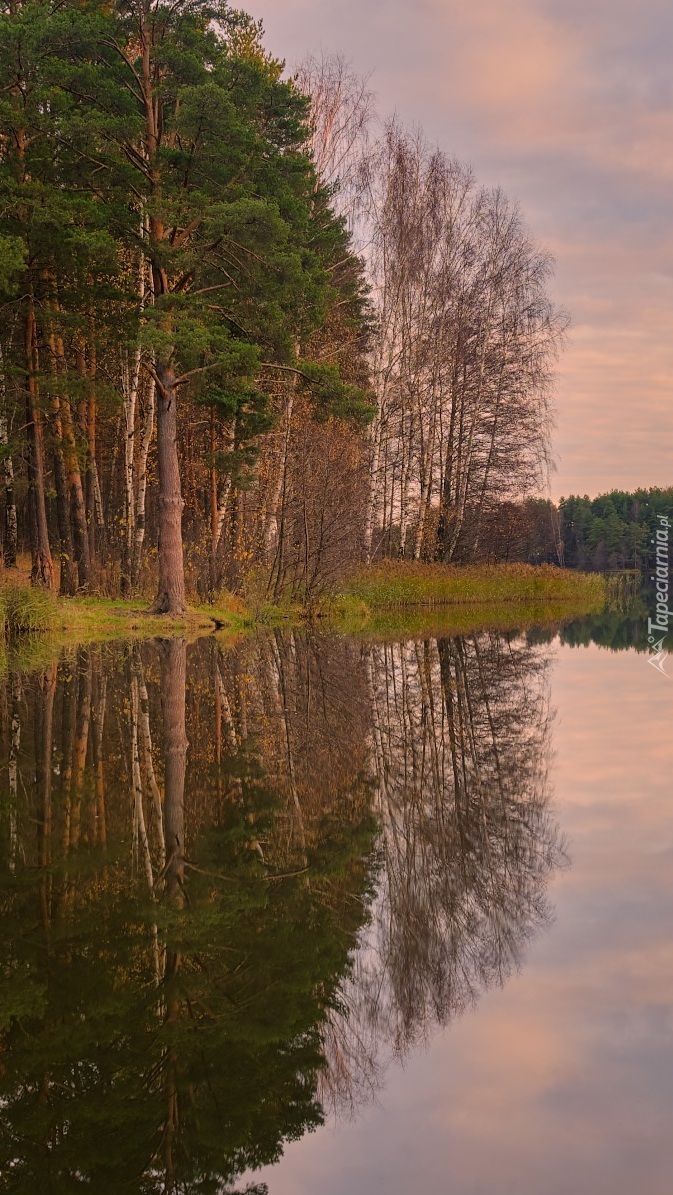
236, 880
460, 743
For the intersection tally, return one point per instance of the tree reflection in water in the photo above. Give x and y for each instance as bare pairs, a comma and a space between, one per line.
460, 746
235, 880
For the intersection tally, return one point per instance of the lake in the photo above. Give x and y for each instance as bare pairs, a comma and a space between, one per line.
320, 913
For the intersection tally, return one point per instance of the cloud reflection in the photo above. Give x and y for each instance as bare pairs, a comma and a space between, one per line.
562, 1082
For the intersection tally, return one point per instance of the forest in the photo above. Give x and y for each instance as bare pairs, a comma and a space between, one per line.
253, 333
615, 530
611, 532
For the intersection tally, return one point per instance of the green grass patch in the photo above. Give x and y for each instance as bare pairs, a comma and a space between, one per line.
34, 616
93, 619
26, 611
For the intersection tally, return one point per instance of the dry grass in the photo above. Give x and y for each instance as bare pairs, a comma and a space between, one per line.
395, 584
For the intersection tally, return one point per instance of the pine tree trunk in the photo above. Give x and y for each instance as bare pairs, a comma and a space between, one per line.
10, 537
131, 386
170, 597
68, 565
80, 528
72, 522
68, 582
131, 380
94, 509
141, 493
42, 570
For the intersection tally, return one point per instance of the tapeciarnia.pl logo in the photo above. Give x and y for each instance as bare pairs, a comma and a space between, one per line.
657, 627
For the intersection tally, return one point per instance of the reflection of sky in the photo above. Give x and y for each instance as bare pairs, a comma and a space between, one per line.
562, 1083
568, 105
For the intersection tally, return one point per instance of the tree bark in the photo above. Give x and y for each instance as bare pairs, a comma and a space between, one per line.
10, 541
76, 487
72, 524
42, 570
141, 493
170, 597
68, 565
94, 505
69, 576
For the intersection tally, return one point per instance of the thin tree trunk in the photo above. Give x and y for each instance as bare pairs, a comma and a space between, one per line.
69, 575
170, 597
131, 395
68, 440
78, 502
280, 516
214, 524
272, 531
10, 539
68, 565
94, 512
130, 382
373, 487
141, 494
42, 570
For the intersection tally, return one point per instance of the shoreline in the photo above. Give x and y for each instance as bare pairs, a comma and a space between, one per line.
386, 599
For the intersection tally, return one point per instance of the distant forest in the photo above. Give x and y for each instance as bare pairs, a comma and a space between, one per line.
612, 531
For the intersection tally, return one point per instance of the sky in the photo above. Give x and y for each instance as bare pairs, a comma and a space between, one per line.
568, 105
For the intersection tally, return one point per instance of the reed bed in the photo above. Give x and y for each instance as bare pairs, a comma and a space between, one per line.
394, 584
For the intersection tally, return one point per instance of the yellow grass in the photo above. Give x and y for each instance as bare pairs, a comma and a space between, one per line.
395, 584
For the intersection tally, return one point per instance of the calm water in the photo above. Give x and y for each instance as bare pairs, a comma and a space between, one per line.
415, 896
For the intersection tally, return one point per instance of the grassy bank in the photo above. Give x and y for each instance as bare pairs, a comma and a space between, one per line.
37, 625
391, 598
26, 612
